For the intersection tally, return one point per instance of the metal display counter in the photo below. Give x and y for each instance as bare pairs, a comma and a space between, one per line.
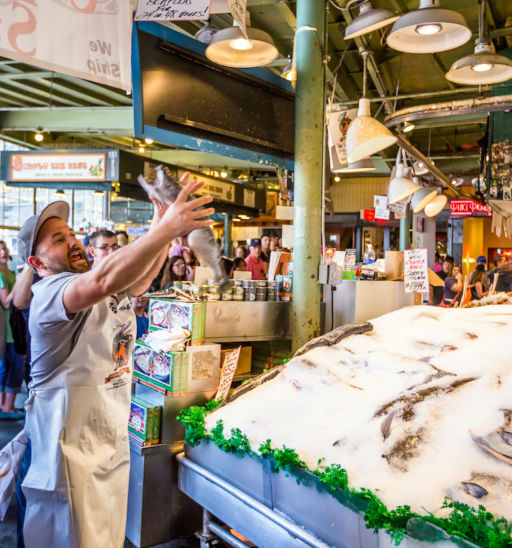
359, 301
239, 321
275, 510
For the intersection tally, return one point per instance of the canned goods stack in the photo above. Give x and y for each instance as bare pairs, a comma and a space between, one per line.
238, 293
249, 287
261, 290
227, 295
213, 292
272, 291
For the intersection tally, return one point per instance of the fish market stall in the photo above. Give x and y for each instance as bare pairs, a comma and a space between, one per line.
400, 426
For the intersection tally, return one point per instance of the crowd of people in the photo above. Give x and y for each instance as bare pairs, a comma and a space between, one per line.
480, 279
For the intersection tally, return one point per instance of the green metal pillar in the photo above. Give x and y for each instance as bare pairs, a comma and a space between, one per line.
228, 223
405, 224
309, 154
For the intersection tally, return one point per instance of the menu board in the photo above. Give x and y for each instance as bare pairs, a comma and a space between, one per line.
415, 271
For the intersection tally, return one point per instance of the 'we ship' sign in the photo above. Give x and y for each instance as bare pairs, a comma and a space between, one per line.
415, 271
172, 10
89, 39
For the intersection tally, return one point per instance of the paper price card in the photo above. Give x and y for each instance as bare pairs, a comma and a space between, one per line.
238, 9
415, 271
172, 10
228, 372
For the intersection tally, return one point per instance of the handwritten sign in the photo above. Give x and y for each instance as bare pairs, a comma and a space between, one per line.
228, 372
238, 9
172, 10
415, 271
380, 203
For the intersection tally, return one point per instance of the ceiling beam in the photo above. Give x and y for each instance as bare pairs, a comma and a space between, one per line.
116, 120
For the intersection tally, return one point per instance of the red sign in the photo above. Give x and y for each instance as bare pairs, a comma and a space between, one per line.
469, 208
368, 214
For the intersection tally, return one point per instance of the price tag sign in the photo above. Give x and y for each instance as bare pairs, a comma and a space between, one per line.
172, 10
415, 271
238, 9
228, 372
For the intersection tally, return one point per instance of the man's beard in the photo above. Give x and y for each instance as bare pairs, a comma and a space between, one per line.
56, 266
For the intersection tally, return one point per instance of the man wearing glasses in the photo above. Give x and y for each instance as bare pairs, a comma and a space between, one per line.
101, 244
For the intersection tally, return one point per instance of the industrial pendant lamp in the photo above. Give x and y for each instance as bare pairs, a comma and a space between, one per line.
362, 166
368, 20
483, 66
437, 205
429, 29
422, 197
400, 186
365, 135
230, 48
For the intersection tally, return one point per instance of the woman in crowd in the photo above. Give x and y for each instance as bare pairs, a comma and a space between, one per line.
240, 252
453, 286
478, 283
12, 366
175, 271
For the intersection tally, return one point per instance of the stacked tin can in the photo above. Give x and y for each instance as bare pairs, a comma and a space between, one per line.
272, 291
249, 287
261, 290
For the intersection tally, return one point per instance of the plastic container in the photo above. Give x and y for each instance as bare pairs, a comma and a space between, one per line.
369, 254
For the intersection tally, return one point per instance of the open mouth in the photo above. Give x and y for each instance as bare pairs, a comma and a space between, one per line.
76, 256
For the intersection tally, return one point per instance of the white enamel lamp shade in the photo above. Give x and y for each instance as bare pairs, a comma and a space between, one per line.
365, 135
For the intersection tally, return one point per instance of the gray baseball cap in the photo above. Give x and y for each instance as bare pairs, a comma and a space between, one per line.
28, 233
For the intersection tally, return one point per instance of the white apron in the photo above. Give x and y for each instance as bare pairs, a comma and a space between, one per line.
77, 484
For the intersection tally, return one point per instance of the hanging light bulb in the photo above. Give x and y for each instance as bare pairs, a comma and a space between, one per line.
337, 179
365, 135
223, 174
408, 127
142, 149
483, 66
148, 141
230, 48
38, 136
429, 29
368, 20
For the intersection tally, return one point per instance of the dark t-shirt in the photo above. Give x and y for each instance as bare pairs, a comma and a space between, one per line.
449, 295
438, 291
504, 279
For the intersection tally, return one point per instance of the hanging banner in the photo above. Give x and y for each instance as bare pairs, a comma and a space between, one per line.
90, 39
57, 167
238, 9
415, 271
337, 132
172, 10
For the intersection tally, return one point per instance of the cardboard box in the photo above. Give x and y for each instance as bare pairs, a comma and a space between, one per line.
244, 362
165, 371
177, 373
168, 314
144, 422
394, 265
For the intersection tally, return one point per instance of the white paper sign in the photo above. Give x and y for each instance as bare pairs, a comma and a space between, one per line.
415, 271
228, 372
380, 203
399, 209
90, 39
238, 9
57, 167
337, 131
172, 10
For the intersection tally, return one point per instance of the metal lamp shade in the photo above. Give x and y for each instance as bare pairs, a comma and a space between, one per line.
421, 198
494, 68
368, 20
419, 168
358, 167
365, 135
401, 187
406, 33
437, 205
222, 51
